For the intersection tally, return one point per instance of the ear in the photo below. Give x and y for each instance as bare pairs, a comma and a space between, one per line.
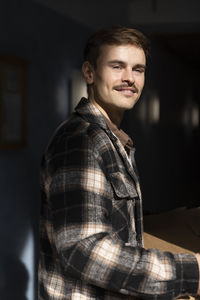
88, 72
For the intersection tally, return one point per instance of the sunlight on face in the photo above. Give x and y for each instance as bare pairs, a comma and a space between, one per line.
118, 79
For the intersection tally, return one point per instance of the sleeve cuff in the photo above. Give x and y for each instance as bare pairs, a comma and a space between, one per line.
187, 274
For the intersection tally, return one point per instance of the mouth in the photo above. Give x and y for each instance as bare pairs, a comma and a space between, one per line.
127, 91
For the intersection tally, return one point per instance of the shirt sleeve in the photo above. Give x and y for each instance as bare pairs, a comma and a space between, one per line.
80, 205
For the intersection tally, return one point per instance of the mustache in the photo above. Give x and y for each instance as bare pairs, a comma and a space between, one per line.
123, 86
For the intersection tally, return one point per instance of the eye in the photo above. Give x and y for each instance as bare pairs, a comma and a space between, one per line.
140, 71
117, 67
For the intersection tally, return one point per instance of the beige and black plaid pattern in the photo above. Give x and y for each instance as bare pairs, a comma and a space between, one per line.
91, 221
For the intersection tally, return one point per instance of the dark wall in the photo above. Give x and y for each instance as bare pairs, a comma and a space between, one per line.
53, 46
168, 152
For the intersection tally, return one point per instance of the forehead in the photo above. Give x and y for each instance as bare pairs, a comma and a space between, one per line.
128, 53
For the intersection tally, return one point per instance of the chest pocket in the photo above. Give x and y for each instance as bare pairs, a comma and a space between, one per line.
121, 186
124, 197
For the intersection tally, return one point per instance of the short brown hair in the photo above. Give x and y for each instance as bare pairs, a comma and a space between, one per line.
117, 35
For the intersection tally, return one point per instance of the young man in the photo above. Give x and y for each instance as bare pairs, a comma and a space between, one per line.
91, 218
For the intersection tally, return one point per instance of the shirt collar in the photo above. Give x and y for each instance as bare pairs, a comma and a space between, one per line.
90, 112
120, 134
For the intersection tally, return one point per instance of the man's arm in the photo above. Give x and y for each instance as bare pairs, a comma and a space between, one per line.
81, 205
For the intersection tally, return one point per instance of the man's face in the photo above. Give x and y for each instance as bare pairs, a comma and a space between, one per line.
118, 78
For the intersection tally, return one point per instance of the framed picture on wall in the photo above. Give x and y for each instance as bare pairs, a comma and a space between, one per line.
13, 102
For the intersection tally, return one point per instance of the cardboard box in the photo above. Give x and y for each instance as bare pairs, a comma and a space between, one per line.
177, 231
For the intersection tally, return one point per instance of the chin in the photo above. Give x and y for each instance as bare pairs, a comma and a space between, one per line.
130, 105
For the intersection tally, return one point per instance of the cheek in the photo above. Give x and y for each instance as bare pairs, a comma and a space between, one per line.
140, 83
105, 81
105, 85
101, 88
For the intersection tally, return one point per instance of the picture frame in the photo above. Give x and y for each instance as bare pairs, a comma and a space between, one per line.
13, 102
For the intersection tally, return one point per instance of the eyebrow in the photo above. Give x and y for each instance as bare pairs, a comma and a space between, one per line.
120, 62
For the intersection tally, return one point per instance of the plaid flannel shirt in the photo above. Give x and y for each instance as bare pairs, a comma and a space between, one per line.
91, 221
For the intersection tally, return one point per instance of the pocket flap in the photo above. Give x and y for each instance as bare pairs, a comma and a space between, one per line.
123, 189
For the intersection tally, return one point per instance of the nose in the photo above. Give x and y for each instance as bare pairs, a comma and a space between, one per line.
128, 76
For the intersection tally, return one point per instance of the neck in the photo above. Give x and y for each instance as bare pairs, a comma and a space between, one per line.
114, 115
109, 112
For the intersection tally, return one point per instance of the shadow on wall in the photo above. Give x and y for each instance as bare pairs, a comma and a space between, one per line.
13, 285
47, 40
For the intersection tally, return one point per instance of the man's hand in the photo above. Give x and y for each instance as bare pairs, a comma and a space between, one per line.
198, 260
